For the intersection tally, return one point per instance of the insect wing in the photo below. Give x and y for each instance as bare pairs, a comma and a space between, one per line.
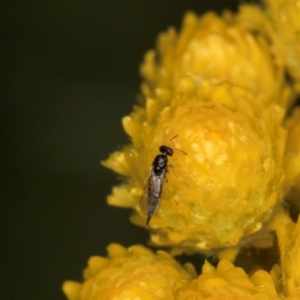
144, 203
150, 199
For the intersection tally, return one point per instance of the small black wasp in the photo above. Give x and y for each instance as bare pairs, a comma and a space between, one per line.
151, 197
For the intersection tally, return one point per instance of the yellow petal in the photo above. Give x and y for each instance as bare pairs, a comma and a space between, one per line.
72, 290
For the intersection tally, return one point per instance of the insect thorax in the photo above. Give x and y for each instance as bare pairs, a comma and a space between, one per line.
160, 164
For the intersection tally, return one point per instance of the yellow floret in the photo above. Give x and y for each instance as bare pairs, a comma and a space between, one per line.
229, 184
133, 273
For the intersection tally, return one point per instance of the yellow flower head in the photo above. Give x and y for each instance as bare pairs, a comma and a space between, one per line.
229, 183
133, 273
214, 49
230, 283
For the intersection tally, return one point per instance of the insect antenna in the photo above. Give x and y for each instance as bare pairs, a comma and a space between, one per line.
183, 152
174, 137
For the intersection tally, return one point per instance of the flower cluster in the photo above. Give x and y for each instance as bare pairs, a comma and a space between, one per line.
218, 95
228, 121
138, 273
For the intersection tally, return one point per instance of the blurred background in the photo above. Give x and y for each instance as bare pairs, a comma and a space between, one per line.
70, 74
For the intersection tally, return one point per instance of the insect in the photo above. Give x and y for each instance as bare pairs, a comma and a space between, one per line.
151, 198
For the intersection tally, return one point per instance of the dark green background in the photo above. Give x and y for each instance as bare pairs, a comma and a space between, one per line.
70, 73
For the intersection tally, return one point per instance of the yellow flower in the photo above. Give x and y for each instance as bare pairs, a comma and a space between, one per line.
133, 273
227, 282
214, 49
230, 183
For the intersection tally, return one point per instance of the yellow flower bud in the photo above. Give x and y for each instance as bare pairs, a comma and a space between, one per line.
214, 49
230, 182
133, 273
